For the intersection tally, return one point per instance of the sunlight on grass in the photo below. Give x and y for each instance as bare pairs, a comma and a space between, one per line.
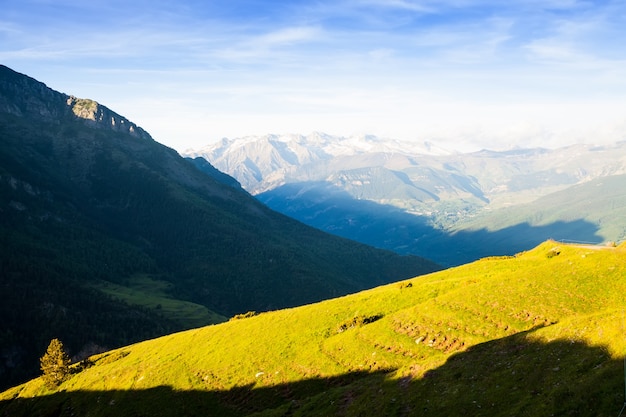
542, 324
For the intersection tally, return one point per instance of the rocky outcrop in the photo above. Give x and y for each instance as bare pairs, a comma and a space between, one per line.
21, 96
102, 117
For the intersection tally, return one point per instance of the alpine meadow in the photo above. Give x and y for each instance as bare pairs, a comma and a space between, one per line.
540, 333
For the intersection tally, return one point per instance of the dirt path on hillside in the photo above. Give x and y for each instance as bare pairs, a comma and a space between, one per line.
592, 247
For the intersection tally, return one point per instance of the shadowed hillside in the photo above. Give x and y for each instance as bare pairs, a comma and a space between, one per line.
595, 215
510, 376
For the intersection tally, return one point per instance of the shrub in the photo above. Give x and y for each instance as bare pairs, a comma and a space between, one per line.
55, 364
243, 316
553, 252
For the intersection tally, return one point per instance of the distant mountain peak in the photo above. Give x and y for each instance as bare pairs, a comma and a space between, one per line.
333, 145
262, 162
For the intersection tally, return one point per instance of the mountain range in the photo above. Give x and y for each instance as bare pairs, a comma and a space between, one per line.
108, 237
420, 199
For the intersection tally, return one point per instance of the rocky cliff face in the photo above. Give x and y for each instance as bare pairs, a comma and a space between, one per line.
101, 117
25, 96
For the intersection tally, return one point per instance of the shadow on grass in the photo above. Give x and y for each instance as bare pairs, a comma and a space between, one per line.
330, 208
508, 377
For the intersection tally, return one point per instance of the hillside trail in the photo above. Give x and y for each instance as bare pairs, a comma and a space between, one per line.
592, 247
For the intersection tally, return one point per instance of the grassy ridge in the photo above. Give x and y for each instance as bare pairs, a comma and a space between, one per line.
537, 334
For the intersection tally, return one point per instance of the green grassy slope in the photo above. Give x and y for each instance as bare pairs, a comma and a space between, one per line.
538, 334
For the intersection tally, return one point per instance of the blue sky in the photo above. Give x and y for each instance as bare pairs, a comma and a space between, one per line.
464, 74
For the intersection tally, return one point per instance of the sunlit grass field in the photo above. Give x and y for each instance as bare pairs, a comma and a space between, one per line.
541, 333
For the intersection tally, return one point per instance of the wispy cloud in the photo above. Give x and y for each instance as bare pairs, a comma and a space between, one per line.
407, 5
289, 36
253, 45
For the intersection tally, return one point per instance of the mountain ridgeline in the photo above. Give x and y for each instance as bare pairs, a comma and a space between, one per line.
108, 237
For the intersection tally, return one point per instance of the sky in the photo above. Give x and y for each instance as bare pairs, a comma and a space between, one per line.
462, 74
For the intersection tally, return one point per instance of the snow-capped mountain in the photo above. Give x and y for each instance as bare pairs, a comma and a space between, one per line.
394, 172
261, 163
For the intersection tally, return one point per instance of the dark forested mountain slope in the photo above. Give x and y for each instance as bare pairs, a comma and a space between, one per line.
108, 237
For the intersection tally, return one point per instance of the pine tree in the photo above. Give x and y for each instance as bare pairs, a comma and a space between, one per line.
55, 364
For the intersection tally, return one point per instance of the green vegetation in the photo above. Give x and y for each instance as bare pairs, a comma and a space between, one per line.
145, 291
244, 315
533, 335
55, 364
